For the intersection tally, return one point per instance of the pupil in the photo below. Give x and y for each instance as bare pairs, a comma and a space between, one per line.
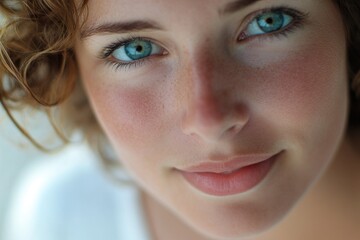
269, 21
139, 48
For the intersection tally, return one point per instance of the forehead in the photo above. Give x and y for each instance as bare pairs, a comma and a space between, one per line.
170, 9
128, 9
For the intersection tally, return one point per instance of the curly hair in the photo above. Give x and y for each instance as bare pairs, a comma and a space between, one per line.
37, 62
38, 66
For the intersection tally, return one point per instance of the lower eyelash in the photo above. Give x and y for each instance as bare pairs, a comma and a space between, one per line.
126, 66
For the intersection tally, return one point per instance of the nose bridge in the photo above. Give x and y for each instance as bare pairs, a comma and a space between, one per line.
211, 104
204, 100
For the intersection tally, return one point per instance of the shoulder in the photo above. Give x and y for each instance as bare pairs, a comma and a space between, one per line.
65, 195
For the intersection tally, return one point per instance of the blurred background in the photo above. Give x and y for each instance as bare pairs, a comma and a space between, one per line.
16, 155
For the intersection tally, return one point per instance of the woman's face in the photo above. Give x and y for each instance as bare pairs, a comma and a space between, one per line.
190, 91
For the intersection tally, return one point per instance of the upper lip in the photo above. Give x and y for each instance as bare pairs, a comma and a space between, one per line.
228, 164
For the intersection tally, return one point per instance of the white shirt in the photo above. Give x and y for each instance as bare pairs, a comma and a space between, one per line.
68, 197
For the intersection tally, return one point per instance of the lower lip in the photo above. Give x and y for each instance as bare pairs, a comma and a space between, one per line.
239, 181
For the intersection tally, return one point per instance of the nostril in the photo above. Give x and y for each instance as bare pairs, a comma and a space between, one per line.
232, 130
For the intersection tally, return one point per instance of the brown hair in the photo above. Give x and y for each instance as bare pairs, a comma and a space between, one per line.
350, 10
38, 66
37, 63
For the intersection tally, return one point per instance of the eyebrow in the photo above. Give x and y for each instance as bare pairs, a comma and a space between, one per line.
141, 25
120, 27
236, 6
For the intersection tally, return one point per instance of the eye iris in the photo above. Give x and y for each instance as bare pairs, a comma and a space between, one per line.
270, 22
138, 49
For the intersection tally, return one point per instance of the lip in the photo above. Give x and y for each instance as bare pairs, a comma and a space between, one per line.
234, 176
226, 164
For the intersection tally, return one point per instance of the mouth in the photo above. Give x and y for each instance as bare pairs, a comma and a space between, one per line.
236, 176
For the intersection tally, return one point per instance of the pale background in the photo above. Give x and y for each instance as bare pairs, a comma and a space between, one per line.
16, 154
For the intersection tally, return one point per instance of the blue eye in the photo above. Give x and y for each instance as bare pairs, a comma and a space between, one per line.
268, 22
136, 49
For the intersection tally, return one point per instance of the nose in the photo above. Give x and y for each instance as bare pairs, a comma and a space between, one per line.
214, 110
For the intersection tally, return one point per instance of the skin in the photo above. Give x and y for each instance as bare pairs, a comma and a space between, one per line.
211, 96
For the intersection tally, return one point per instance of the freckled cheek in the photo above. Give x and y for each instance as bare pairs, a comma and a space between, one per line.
130, 117
303, 86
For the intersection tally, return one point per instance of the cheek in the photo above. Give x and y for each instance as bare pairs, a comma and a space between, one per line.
124, 113
138, 119
304, 97
304, 88
125, 104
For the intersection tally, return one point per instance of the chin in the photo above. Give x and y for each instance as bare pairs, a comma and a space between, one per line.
236, 231
246, 222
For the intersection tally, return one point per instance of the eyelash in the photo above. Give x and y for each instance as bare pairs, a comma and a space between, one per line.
299, 19
107, 51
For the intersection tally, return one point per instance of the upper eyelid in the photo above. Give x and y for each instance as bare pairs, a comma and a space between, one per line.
109, 48
116, 44
301, 16
252, 16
